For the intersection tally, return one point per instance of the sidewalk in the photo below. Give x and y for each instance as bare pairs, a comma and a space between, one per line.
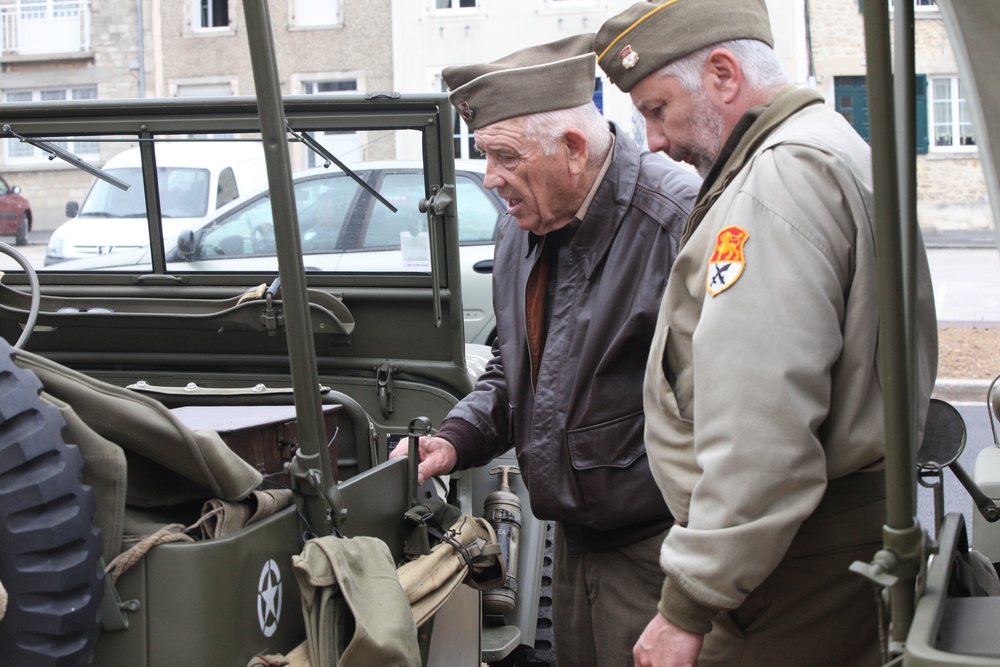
967, 292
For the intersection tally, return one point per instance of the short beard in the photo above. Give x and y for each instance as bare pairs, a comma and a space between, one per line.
707, 126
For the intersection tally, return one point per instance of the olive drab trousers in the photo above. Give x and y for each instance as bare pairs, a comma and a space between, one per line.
812, 611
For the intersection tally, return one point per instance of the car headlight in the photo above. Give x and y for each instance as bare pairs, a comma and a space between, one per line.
55, 248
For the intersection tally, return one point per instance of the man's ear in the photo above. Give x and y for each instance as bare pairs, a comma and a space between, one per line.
577, 150
722, 76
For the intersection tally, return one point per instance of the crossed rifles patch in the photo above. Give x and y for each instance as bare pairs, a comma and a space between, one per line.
727, 262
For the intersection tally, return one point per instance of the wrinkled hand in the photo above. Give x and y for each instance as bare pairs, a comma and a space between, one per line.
663, 644
437, 456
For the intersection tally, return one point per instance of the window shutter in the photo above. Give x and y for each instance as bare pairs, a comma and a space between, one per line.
852, 102
923, 134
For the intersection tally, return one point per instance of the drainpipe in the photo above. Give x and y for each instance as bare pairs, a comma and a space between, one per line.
142, 49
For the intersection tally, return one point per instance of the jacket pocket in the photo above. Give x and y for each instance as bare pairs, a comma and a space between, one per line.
612, 474
617, 443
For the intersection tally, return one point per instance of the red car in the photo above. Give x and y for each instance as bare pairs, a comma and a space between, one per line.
15, 213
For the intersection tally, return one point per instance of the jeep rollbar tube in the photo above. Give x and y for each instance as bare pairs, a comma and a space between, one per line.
320, 489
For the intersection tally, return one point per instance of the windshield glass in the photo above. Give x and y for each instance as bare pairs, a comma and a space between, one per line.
183, 194
217, 215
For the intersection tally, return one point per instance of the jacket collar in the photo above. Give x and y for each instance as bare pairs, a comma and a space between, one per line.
747, 136
607, 209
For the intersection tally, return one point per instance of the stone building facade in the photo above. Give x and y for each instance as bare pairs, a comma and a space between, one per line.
51, 55
169, 48
184, 48
951, 188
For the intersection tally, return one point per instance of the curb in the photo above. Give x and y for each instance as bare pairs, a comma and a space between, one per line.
961, 391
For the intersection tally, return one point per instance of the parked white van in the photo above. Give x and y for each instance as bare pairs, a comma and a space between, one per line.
194, 178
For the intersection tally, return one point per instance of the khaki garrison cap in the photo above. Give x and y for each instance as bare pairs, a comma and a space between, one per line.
558, 75
649, 35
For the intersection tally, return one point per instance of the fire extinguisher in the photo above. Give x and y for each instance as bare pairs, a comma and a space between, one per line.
503, 510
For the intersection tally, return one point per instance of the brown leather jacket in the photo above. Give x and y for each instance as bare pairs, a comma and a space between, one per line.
579, 433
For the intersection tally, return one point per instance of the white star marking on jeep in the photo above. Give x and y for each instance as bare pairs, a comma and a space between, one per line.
269, 598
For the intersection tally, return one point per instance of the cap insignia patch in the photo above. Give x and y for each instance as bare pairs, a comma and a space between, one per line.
727, 262
465, 111
629, 57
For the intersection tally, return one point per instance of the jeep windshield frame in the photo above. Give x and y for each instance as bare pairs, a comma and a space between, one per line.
410, 323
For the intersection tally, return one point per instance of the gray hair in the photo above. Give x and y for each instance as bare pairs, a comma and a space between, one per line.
547, 129
758, 62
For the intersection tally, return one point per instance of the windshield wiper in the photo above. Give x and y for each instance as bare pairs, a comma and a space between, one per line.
317, 147
54, 152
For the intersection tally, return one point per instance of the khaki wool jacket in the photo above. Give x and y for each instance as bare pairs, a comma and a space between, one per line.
578, 434
763, 379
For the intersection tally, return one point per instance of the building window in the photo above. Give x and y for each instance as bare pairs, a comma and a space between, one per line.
220, 89
950, 120
212, 14
851, 101
23, 153
567, 4
918, 5
314, 13
456, 4
465, 142
345, 146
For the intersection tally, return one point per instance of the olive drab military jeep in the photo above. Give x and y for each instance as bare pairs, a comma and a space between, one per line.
939, 589
194, 464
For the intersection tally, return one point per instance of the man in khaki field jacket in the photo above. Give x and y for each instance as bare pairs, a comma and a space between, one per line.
763, 400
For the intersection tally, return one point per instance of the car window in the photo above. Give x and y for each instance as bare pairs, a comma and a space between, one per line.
323, 205
226, 190
477, 212
385, 228
3, 187
249, 230
183, 194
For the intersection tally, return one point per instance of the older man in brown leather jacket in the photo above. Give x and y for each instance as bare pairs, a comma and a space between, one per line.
581, 263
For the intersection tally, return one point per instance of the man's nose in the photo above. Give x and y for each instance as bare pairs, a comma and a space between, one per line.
656, 139
492, 178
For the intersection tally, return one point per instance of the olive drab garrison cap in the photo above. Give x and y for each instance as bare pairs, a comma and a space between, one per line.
649, 35
557, 75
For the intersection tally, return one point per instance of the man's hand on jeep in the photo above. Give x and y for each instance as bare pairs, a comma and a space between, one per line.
437, 456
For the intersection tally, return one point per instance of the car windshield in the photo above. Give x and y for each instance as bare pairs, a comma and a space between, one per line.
183, 194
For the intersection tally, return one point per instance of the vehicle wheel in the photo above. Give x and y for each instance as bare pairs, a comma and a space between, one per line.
49, 549
23, 225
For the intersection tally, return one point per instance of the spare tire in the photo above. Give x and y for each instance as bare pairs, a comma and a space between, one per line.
49, 550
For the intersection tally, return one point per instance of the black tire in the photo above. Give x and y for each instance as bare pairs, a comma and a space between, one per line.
49, 549
23, 225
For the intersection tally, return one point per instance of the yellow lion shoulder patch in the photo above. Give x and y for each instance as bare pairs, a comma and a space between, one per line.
727, 262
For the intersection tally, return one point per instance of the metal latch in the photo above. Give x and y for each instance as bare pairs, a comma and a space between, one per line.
439, 201
271, 318
386, 390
